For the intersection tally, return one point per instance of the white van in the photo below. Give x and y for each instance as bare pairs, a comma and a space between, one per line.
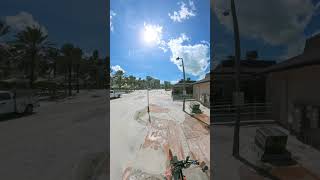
22, 101
114, 94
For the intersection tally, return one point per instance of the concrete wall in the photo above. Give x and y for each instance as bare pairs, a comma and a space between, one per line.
295, 86
201, 91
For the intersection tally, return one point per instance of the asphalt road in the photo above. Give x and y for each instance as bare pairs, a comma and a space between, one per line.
49, 144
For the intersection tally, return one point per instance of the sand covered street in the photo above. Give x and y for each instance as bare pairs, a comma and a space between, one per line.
140, 141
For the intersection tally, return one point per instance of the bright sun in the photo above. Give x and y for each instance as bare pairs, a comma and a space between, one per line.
149, 35
152, 33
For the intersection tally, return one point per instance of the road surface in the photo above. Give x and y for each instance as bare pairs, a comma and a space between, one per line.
49, 144
139, 143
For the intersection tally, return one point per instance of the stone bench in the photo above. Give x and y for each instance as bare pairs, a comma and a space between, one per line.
272, 144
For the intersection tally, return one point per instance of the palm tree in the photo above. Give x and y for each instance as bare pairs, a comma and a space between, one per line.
53, 57
77, 56
32, 43
94, 65
118, 76
131, 82
67, 50
108, 73
4, 28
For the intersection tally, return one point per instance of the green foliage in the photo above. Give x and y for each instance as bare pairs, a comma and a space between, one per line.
31, 55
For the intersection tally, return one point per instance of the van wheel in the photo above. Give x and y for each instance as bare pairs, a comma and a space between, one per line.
119, 96
29, 109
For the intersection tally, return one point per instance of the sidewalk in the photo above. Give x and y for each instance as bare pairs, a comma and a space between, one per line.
227, 167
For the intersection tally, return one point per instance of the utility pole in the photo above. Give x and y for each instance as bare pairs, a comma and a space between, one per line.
148, 100
184, 84
148, 106
236, 138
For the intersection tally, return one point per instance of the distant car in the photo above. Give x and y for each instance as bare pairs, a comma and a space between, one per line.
114, 94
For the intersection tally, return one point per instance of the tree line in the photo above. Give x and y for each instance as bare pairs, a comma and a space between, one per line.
118, 80
32, 56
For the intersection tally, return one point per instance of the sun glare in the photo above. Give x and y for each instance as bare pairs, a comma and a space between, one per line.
152, 33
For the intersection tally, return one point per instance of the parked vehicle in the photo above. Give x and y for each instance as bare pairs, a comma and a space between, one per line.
16, 96
114, 94
18, 101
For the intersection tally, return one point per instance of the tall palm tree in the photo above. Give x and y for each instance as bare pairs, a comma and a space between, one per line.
67, 50
131, 80
4, 28
77, 57
32, 43
53, 58
119, 79
94, 59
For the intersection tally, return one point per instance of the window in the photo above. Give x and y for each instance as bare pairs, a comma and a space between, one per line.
4, 96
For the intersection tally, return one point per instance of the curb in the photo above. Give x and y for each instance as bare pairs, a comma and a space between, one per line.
248, 122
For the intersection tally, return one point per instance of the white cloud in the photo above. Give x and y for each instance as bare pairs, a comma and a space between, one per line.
117, 68
196, 57
202, 76
185, 12
277, 22
112, 14
315, 33
22, 20
174, 81
152, 33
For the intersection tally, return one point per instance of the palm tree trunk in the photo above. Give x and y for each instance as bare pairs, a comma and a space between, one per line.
54, 70
65, 80
78, 86
70, 76
33, 56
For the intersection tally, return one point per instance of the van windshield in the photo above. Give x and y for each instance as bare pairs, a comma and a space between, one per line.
4, 96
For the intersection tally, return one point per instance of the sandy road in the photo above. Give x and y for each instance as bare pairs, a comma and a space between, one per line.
139, 147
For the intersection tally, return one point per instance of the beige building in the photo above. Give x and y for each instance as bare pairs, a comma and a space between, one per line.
201, 90
293, 88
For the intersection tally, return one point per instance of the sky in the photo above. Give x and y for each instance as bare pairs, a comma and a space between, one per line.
147, 36
81, 22
277, 29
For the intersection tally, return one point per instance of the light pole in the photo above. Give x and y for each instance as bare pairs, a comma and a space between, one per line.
237, 80
184, 84
148, 99
148, 106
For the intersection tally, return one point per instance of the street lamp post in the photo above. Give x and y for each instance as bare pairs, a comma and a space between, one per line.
237, 82
236, 138
148, 100
184, 84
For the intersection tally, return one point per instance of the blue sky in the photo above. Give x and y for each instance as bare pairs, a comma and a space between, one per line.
276, 28
147, 36
81, 22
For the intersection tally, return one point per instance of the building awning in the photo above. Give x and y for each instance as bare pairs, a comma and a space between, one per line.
306, 59
202, 81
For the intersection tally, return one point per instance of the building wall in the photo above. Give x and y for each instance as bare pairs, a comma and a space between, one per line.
252, 87
201, 92
287, 88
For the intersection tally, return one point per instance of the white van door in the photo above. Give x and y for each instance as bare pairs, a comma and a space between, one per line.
6, 103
